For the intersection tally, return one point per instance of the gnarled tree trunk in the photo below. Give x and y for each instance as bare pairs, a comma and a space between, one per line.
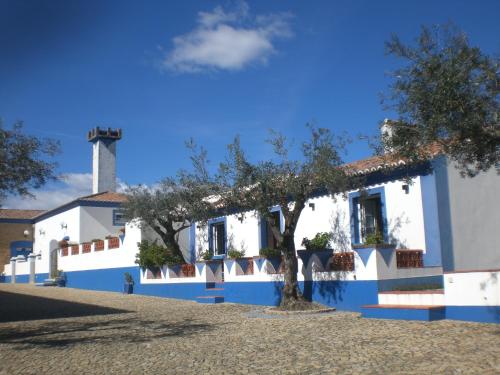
291, 294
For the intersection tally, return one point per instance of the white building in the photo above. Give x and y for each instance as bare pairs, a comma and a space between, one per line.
433, 225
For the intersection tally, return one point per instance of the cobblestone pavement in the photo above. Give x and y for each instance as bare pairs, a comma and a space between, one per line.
69, 331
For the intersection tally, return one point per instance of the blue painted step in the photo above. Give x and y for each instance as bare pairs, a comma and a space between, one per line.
210, 299
404, 312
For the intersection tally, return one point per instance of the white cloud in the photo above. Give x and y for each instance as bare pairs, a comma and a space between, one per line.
71, 186
227, 40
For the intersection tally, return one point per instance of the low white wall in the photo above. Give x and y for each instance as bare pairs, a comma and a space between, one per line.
22, 266
472, 288
123, 256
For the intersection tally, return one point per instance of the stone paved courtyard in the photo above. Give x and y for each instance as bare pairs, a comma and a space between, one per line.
69, 331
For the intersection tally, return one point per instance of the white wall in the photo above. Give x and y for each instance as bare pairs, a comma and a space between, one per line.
404, 214
49, 231
97, 222
245, 234
472, 288
124, 256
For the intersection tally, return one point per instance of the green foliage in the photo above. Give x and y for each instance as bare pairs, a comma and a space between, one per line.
319, 242
151, 255
128, 278
418, 287
374, 239
171, 207
236, 254
268, 252
447, 94
205, 255
22, 163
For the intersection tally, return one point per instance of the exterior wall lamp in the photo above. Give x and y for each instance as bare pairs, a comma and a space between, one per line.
64, 225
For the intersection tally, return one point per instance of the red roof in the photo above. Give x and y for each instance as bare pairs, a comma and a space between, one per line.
378, 162
105, 196
19, 214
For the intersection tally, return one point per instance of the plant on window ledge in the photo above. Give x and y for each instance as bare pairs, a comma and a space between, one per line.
236, 254
374, 239
319, 242
205, 255
268, 252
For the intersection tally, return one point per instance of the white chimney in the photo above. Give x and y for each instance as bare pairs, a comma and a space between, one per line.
104, 158
386, 133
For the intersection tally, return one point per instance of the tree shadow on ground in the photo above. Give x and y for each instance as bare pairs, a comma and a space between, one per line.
21, 307
124, 330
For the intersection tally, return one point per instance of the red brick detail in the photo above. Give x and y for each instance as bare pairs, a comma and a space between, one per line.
249, 270
409, 258
75, 249
154, 273
188, 270
99, 245
64, 251
342, 262
113, 243
249, 266
86, 247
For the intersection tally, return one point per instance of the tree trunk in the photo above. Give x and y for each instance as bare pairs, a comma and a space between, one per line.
291, 294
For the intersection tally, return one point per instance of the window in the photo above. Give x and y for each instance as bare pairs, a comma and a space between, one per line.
367, 215
371, 216
118, 218
217, 238
267, 237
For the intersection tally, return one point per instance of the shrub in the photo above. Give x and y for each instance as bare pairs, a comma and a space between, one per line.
319, 242
268, 252
152, 255
374, 239
236, 254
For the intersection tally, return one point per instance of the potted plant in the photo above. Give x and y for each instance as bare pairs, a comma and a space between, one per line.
128, 287
236, 254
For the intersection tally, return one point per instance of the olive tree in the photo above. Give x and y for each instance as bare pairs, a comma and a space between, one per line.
287, 183
446, 94
173, 204
23, 161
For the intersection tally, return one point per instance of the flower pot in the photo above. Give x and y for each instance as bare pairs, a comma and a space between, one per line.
128, 288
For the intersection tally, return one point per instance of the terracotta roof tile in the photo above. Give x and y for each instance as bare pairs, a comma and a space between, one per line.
19, 214
105, 197
375, 163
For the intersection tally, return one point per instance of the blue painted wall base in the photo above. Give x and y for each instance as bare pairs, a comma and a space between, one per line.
343, 295
435, 313
482, 314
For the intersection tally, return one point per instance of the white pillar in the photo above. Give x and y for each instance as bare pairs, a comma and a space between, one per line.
32, 259
13, 270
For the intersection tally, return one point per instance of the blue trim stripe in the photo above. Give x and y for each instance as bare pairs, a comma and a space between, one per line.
16, 221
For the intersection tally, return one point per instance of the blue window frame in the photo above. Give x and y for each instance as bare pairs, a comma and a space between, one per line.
23, 248
217, 237
266, 236
368, 214
118, 218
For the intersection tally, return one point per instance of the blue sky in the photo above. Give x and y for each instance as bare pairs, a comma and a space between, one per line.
165, 71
